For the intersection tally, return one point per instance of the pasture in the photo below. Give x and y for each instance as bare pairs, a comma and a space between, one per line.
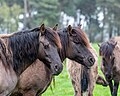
63, 86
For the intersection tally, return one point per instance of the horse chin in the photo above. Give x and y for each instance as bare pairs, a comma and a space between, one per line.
85, 64
57, 71
82, 61
88, 67
109, 79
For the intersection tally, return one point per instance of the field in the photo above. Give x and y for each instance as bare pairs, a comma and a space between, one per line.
63, 86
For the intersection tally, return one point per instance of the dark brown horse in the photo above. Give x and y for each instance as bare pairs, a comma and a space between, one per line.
110, 64
84, 79
75, 46
20, 50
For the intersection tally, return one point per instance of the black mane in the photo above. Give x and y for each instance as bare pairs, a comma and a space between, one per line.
106, 49
25, 44
65, 41
24, 48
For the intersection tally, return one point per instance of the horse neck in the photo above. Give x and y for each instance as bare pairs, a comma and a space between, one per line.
25, 50
63, 51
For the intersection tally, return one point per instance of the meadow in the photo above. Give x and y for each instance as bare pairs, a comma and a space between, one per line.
63, 86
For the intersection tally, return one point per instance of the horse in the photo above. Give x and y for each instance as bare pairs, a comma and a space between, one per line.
21, 49
110, 52
84, 79
72, 39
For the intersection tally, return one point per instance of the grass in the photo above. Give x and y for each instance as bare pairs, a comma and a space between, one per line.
64, 87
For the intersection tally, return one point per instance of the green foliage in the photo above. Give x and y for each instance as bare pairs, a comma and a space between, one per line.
47, 11
87, 7
68, 6
9, 17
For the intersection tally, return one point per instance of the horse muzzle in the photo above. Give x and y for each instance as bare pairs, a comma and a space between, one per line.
57, 69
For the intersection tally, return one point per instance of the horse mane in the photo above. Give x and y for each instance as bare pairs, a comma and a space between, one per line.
84, 79
22, 55
5, 54
49, 34
53, 37
106, 48
81, 36
23, 49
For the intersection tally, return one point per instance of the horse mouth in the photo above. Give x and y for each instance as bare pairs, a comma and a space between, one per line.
88, 67
56, 70
82, 61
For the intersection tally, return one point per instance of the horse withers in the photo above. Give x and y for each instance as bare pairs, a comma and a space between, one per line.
110, 65
21, 49
75, 46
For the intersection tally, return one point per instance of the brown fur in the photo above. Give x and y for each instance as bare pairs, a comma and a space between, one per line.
110, 67
18, 51
37, 86
82, 37
75, 70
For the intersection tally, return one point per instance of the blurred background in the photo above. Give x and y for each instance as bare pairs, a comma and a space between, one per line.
100, 19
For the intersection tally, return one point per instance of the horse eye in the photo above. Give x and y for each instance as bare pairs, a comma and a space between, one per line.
46, 46
104, 61
74, 35
103, 64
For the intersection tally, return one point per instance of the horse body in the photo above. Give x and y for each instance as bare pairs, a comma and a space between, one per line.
39, 73
83, 79
77, 71
70, 46
110, 65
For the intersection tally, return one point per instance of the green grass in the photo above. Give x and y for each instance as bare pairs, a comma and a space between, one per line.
64, 87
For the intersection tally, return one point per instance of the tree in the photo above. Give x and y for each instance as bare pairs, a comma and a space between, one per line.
88, 9
9, 17
46, 12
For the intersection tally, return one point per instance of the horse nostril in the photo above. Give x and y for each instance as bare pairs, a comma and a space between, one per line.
56, 67
91, 60
108, 76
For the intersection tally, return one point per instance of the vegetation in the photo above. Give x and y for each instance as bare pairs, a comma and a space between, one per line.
101, 19
101, 16
64, 87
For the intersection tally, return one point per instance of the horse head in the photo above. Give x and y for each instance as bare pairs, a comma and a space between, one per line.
50, 41
107, 57
75, 46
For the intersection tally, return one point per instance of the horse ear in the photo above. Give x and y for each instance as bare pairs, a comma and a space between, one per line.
98, 45
55, 27
79, 25
69, 28
42, 28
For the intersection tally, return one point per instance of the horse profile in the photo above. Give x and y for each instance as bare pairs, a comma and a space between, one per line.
21, 49
82, 78
110, 56
75, 46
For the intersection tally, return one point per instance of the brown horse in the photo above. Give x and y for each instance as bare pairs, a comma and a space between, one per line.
83, 79
20, 50
72, 39
110, 56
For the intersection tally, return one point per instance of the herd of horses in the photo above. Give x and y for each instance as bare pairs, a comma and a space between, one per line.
29, 60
